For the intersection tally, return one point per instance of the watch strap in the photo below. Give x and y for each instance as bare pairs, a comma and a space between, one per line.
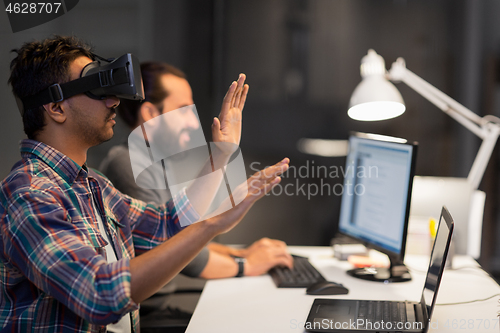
241, 266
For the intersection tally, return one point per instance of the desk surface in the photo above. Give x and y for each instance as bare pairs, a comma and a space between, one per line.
254, 304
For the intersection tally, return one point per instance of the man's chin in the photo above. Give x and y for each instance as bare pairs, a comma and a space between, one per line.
106, 138
110, 136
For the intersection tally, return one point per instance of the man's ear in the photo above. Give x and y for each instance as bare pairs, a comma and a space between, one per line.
56, 112
148, 111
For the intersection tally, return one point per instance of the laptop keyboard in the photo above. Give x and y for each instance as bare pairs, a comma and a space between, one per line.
376, 311
302, 275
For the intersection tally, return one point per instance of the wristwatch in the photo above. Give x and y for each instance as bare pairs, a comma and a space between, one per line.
241, 265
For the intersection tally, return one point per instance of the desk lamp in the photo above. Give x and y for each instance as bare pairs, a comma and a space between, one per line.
375, 98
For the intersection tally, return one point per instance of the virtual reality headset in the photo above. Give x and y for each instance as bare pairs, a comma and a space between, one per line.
120, 77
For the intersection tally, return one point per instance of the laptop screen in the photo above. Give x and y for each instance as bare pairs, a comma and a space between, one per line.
437, 261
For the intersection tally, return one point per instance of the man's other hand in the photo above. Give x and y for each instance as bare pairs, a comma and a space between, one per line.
258, 185
265, 254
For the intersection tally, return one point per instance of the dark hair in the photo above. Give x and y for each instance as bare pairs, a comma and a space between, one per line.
38, 65
154, 92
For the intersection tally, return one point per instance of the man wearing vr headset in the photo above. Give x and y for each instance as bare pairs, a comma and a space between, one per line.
69, 238
166, 89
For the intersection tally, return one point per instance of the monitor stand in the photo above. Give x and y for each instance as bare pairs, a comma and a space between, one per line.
397, 272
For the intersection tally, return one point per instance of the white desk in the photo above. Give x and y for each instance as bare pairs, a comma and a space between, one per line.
254, 304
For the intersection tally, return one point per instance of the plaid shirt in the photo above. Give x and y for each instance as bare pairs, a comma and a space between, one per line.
53, 271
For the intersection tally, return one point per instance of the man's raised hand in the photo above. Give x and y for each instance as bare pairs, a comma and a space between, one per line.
227, 128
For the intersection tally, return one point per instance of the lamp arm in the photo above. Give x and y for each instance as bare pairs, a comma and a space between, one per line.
462, 114
399, 72
483, 155
487, 131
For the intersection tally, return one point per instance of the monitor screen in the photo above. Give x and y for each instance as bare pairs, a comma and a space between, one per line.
377, 190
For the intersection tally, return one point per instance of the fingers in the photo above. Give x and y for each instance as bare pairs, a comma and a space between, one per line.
267, 175
260, 188
235, 96
228, 99
263, 181
286, 260
264, 258
239, 91
273, 171
268, 242
279, 244
243, 98
282, 257
215, 127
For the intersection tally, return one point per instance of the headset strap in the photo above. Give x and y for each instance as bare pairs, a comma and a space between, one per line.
57, 92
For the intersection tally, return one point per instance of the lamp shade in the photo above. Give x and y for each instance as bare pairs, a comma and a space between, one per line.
375, 98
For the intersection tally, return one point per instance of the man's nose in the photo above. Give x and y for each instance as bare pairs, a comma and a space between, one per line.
112, 102
192, 120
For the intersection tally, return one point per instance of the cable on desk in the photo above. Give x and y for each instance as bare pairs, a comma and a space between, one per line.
473, 301
475, 269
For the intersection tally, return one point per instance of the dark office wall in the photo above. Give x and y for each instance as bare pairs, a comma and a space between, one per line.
302, 60
308, 52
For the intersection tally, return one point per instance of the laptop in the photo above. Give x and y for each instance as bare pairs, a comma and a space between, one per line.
346, 315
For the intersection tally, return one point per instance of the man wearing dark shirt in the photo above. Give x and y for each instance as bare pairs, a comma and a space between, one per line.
167, 91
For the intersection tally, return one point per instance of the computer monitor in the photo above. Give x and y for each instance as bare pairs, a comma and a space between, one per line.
375, 202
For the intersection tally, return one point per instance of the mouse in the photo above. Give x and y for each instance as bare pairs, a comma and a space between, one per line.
326, 288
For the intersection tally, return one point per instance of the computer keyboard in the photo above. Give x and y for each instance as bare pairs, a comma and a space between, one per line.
388, 311
302, 275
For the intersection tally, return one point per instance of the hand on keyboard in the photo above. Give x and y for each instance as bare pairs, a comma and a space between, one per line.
265, 254
302, 275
